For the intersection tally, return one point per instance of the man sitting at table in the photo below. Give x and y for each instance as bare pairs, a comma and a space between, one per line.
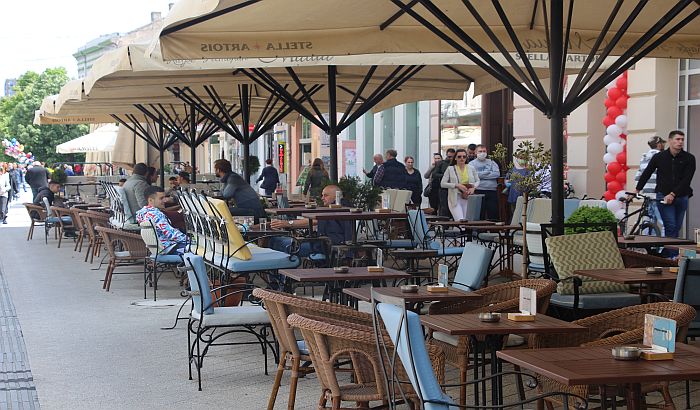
235, 188
49, 192
337, 231
172, 239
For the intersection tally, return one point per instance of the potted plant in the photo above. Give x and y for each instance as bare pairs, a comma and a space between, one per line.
358, 194
253, 165
536, 161
590, 215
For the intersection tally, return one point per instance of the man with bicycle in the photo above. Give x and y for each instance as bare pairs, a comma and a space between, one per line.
674, 171
656, 145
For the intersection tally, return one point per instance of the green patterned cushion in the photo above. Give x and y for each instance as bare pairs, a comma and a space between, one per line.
592, 250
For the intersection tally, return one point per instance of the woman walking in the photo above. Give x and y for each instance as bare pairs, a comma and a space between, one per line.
460, 180
414, 181
317, 179
5, 189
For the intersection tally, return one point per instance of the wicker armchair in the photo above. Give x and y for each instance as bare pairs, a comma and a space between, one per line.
64, 219
332, 341
91, 220
125, 249
79, 228
502, 298
616, 327
38, 216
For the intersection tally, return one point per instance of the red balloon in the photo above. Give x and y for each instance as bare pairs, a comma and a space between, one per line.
609, 103
621, 177
614, 111
609, 177
624, 74
614, 187
623, 136
622, 159
607, 121
608, 195
614, 93
621, 83
620, 102
614, 168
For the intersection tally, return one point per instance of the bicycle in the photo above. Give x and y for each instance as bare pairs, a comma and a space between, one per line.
647, 223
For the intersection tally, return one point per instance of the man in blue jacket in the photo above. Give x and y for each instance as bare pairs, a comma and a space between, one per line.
269, 177
488, 173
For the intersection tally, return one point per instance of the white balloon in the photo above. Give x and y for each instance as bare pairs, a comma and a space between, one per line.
613, 130
615, 148
621, 121
619, 195
609, 139
619, 214
608, 158
614, 205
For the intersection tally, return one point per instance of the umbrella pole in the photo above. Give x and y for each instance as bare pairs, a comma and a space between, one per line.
333, 123
556, 54
193, 145
161, 150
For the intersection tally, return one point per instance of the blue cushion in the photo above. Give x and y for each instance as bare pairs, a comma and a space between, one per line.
198, 277
450, 251
301, 345
407, 335
263, 259
55, 220
473, 267
167, 258
536, 267
317, 257
596, 300
399, 243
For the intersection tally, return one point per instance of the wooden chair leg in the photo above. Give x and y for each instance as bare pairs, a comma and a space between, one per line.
463, 387
31, 231
60, 235
293, 382
278, 381
108, 276
88, 251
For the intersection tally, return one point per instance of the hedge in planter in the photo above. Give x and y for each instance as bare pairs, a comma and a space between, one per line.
590, 215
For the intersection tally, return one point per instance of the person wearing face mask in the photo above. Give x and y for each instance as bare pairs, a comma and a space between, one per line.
488, 173
460, 181
519, 167
471, 153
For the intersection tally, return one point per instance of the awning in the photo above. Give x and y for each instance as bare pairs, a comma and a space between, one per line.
100, 140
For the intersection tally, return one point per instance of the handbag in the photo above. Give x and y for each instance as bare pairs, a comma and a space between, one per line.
428, 190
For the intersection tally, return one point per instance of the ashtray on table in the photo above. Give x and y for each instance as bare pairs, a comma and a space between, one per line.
341, 269
409, 288
626, 352
489, 317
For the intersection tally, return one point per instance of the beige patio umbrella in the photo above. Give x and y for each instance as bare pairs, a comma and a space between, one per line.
100, 140
597, 29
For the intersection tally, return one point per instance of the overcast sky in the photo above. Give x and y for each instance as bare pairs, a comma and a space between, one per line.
38, 34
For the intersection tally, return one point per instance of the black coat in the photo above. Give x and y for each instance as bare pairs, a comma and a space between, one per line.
414, 182
394, 175
270, 178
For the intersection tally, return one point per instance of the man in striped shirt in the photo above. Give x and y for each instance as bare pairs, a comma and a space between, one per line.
656, 144
171, 238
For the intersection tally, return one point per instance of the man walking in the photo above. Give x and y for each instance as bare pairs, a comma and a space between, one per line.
656, 145
37, 177
674, 171
378, 160
434, 182
392, 173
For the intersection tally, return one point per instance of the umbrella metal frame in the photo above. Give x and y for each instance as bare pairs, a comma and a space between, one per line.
226, 115
558, 34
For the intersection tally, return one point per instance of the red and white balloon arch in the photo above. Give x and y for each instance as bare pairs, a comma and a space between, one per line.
615, 141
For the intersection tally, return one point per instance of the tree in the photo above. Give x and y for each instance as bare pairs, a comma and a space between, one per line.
536, 161
17, 116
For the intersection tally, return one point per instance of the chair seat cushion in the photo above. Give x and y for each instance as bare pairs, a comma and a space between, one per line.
64, 219
263, 259
167, 258
317, 257
450, 251
445, 338
234, 315
596, 301
301, 345
399, 243
122, 254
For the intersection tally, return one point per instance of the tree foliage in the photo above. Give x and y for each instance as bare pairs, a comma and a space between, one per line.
17, 116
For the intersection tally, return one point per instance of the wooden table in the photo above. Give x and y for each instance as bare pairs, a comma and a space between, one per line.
573, 366
297, 211
353, 216
452, 295
413, 258
688, 251
335, 282
491, 340
655, 282
647, 241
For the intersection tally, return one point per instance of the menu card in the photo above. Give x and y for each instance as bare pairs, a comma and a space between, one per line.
527, 305
660, 334
443, 275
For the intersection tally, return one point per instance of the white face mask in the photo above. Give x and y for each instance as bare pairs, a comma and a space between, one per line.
481, 156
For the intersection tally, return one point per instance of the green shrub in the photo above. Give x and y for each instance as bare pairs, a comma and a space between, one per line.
360, 194
253, 164
590, 215
59, 175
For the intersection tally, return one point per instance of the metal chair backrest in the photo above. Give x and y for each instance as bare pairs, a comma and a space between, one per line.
687, 286
419, 228
474, 205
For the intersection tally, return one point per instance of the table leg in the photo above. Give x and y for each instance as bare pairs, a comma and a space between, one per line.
494, 344
634, 396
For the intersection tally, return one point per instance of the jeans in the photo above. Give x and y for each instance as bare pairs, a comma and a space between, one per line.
3, 207
672, 215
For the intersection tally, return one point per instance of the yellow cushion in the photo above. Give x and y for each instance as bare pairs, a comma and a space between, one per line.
235, 239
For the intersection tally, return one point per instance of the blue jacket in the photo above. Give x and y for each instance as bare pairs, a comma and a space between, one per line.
269, 177
392, 174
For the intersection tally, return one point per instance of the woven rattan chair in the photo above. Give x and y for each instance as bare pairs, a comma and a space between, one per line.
503, 298
64, 219
614, 328
79, 229
332, 341
91, 220
125, 249
293, 351
38, 216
